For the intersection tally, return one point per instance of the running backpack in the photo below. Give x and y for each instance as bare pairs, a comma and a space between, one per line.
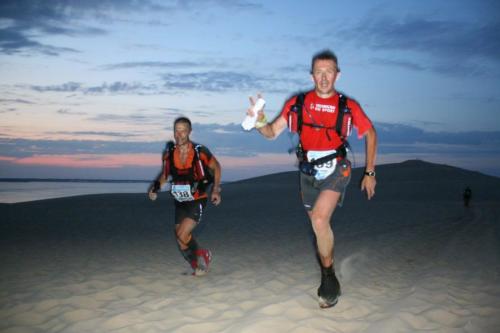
343, 127
199, 175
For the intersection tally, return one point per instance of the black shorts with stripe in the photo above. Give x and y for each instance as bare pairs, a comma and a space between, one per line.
189, 209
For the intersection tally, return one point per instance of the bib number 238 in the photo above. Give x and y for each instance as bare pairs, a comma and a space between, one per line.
182, 192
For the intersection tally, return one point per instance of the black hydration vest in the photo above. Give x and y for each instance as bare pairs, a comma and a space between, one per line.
199, 176
342, 127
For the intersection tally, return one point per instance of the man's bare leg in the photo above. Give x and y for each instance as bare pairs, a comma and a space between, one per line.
320, 216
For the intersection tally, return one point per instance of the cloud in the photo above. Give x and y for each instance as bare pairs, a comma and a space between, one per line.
211, 81
8, 105
9, 110
431, 37
153, 64
231, 4
24, 148
455, 47
13, 41
219, 81
69, 112
24, 21
95, 133
116, 87
398, 131
89, 160
131, 118
446, 67
65, 87
16, 100
399, 63
35, 13
121, 87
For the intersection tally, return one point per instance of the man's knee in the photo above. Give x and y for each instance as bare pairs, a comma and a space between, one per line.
183, 237
320, 224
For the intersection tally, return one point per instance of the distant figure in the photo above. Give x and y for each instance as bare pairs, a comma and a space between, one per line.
323, 119
191, 167
467, 196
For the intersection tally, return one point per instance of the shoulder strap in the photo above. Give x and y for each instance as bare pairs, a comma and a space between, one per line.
340, 117
170, 158
297, 107
205, 176
170, 146
197, 159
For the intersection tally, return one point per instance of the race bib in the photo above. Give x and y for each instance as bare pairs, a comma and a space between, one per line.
325, 169
182, 192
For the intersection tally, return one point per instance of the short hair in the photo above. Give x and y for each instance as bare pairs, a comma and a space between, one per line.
325, 55
184, 120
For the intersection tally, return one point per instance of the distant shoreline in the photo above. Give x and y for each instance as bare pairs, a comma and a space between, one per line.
76, 180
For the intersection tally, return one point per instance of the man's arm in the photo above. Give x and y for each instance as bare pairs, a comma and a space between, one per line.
368, 183
158, 182
270, 130
215, 167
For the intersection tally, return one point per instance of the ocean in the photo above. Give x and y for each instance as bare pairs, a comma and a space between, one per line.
12, 191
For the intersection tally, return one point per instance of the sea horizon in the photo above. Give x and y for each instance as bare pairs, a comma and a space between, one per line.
76, 180
33, 189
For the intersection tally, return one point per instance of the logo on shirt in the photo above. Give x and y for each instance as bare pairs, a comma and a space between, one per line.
322, 108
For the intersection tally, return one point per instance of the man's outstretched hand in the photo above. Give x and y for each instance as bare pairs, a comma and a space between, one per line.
368, 183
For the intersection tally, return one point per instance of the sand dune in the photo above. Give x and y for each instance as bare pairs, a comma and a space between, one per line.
411, 260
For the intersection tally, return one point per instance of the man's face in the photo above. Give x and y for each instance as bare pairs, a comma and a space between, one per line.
181, 133
324, 74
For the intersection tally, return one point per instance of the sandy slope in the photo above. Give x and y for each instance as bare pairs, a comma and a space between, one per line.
412, 260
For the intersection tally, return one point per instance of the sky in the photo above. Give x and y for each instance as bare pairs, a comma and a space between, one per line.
89, 89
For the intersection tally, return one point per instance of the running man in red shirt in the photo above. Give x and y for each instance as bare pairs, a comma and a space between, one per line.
323, 184
189, 166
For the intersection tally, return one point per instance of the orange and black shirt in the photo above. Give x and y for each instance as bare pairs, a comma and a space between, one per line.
188, 172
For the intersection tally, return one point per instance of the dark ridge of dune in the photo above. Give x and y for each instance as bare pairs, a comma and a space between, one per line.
422, 170
425, 181
409, 180
279, 177
410, 170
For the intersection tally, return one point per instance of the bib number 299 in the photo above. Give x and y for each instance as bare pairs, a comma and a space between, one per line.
324, 169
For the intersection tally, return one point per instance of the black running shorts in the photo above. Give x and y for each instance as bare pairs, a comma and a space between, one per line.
189, 209
310, 187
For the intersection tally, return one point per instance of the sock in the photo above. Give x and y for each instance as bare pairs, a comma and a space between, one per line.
328, 270
189, 253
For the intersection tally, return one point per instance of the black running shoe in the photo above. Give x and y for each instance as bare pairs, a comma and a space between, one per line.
329, 290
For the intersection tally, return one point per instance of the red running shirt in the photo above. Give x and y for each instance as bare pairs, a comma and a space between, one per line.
323, 111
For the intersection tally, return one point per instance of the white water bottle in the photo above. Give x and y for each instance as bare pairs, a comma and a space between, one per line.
249, 121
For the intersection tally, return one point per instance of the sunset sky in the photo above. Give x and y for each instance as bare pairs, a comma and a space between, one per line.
89, 89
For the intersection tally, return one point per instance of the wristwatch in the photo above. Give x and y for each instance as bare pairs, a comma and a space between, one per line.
370, 173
